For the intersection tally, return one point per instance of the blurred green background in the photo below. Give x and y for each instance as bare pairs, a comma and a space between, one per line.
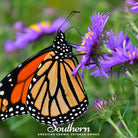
33, 11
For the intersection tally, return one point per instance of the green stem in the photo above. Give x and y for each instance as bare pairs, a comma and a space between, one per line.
134, 26
129, 75
136, 96
136, 88
124, 124
116, 127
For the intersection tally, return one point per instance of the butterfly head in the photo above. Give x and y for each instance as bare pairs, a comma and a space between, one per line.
62, 48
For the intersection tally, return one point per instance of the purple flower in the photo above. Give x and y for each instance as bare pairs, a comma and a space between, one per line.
113, 98
121, 56
19, 26
122, 51
91, 40
99, 104
119, 40
135, 7
115, 41
32, 33
130, 2
103, 71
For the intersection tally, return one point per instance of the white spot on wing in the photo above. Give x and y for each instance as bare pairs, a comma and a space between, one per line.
2, 115
61, 54
17, 112
28, 96
1, 84
79, 112
30, 108
10, 80
34, 79
56, 57
17, 106
76, 114
65, 117
1, 92
8, 75
73, 110
19, 65
11, 114
33, 110
85, 101
61, 40
11, 109
30, 86
23, 112
3, 118
39, 65
22, 108
78, 108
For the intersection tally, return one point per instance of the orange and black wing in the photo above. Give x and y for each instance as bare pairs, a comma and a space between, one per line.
14, 87
55, 97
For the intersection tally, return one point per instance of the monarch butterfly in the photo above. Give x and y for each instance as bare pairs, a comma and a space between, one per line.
43, 87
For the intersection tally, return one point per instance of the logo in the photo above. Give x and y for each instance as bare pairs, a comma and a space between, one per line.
70, 130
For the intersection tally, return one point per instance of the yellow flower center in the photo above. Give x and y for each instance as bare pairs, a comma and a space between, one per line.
132, 54
83, 41
45, 24
37, 28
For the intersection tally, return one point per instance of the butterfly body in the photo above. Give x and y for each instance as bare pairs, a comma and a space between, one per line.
43, 86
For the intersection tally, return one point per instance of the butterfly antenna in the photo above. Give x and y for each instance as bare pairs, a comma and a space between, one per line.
67, 19
73, 27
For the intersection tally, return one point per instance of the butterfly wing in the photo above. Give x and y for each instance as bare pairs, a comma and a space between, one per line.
54, 95
14, 87
43, 86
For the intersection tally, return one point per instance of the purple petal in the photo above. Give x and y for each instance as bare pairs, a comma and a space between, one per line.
135, 7
9, 45
19, 26
99, 104
32, 33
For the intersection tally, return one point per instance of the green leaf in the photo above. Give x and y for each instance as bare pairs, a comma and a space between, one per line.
101, 125
133, 38
18, 123
129, 120
94, 118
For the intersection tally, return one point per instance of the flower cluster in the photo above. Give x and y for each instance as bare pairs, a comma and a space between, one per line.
99, 104
131, 5
26, 35
92, 41
113, 102
102, 50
